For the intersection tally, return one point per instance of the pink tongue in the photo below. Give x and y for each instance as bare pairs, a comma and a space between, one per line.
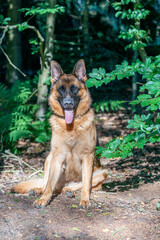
69, 116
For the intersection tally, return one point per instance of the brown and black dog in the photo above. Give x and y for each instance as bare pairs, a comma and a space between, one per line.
71, 164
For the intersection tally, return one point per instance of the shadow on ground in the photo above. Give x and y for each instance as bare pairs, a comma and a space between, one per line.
143, 168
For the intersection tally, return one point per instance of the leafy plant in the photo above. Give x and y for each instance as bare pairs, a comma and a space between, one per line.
146, 126
42, 10
35, 46
4, 21
106, 105
17, 116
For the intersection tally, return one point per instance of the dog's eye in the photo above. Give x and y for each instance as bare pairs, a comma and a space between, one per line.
61, 90
74, 89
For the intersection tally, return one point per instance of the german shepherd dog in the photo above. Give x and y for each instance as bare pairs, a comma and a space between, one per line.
71, 164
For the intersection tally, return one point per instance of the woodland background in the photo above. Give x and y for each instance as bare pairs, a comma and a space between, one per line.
119, 40
120, 43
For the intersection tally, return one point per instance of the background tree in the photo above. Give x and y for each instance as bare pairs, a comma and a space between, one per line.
86, 27
13, 42
48, 56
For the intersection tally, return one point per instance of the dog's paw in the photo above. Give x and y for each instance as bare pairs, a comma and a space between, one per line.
32, 193
85, 203
36, 191
69, 194
41, 203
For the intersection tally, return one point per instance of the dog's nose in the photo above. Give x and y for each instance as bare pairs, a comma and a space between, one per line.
68, 102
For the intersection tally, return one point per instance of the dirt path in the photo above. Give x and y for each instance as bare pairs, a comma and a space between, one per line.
126, 208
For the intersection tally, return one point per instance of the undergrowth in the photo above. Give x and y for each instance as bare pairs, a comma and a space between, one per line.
17, 116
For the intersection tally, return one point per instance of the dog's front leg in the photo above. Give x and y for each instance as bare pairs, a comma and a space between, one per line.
54, 173
87, 166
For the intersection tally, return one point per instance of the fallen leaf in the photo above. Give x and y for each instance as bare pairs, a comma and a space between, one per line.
16, 200
105, 213
89, 214
74, 206
55, 235
74, 218
105, 230
141, 209
76, 229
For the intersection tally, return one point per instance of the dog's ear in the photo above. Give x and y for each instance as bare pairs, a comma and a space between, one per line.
79, 70
56, 71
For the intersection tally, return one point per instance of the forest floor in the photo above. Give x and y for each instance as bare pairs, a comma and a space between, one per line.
126, 208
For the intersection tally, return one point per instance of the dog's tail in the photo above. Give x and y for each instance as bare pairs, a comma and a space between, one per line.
24, 187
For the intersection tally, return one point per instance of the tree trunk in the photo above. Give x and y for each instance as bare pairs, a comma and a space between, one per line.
13, 42
134, 78
48, 55
86, 27
137, 24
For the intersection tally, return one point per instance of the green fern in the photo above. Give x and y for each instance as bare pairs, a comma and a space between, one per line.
17, 116
107, 105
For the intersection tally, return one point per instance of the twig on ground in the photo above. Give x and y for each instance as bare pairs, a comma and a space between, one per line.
9, 228
38, 171
7, 166
13, 157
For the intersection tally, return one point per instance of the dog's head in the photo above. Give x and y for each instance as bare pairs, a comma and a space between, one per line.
69, 90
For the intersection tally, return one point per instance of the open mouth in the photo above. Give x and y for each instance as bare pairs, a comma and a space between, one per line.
69, 114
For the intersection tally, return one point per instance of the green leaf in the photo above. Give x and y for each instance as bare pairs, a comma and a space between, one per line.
102, 108
118, 14
102, 71
115, 144
95, 75
144, 96
107, 80
123, 154
158, 206
158, 140
22, 26
47, 81
91, 82
137, 118
124, 14
6, 20
141, 143
135, 102
76, 229
74, 206
1, 18
127, 138
16, 200
145, 103
95, 70
152, 139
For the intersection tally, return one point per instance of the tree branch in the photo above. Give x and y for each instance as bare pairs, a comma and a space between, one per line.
31, 95
9, 60
41, 39
12, 63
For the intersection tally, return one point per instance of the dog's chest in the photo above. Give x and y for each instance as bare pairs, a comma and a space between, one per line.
71, 139
73, 167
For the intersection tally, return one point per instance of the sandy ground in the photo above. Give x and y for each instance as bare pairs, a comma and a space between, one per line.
126, 208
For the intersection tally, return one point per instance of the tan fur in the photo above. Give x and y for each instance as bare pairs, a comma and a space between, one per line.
70, 165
